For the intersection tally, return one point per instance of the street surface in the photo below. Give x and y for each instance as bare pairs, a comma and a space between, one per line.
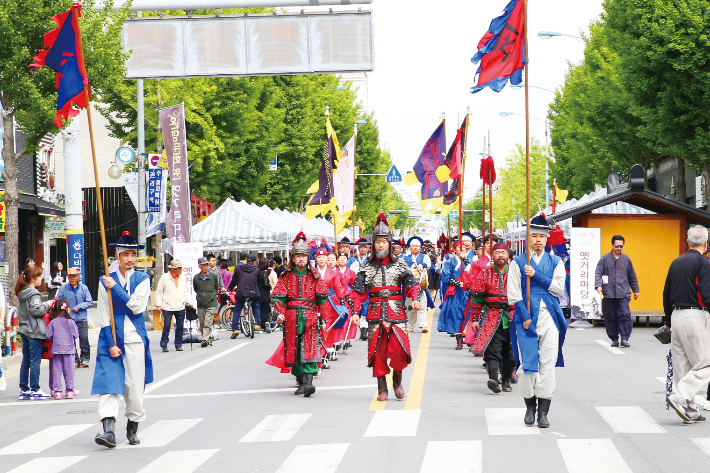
222, 409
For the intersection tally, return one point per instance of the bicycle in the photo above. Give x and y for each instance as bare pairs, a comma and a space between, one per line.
226, 311
246, 319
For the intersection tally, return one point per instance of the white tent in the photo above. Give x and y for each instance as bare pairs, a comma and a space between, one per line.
239, 226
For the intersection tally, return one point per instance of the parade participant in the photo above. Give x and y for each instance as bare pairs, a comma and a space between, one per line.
363, 247
124, 367
455, 297
300, 296
348, 276
398, 248
540, 333
469, 252
336, 301
489, 288
344, 246
381, 280
479, 249
419, 264
332, 261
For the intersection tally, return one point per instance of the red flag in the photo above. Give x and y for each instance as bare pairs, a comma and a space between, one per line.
455, 166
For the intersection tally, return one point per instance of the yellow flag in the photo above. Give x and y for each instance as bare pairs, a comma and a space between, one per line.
560, 195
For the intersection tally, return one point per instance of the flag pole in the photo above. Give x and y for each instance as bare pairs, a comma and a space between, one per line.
99, 204
463, 162
483, 193
490, 198
354, 180
527, 148
332, 215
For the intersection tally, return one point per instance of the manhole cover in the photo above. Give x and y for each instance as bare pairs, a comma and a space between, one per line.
83, 411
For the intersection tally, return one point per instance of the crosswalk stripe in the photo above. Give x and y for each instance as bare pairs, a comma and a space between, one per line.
47, 465
704, 445
44, 439
630, 420
509, 421
276, 428
162, 433
394, 424
183, 461
456, 456
323, 458
608, 346
591, 456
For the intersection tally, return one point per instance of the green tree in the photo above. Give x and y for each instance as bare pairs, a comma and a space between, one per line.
473, 220
28, 95
665, 53
510, 187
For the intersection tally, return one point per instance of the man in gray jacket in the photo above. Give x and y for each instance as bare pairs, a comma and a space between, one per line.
614, 276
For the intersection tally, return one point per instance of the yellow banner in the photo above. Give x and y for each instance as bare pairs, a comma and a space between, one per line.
3, 212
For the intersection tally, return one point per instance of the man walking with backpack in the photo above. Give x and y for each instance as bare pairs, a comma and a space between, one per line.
246, 281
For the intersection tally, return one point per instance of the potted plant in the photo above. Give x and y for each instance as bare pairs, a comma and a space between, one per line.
145, 262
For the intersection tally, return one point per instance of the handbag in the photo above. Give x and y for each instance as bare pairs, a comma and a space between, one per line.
663, 334
190, 313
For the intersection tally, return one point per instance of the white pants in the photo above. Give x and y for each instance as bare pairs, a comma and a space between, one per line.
134, 363
417, 317
542, 383
690, 345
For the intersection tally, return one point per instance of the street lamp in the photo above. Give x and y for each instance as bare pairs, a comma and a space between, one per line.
115, 171
522, 86
550, 34
547, 157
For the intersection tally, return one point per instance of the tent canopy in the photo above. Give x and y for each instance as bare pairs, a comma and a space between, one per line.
239, 226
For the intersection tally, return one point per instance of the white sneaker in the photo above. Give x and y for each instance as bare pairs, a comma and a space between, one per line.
706, 405
3, 382
39, 395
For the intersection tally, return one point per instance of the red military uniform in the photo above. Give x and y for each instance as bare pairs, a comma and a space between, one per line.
338, 291
381, 282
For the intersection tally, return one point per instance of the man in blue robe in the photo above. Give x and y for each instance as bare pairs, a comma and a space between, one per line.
125, 367
418, 263
539, 333
455, 298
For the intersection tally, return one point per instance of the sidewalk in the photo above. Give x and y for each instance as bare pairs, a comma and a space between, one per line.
13, 362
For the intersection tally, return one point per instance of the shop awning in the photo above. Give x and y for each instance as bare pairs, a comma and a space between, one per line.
42, 207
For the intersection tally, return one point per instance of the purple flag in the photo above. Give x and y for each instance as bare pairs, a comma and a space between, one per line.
430, 159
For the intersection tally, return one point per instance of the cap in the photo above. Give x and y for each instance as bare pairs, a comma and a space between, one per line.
500, 246
251, 258
202, 260
71, 271
415, 239
321, 252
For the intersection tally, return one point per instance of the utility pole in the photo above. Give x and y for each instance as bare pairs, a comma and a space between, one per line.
141, 164
74, 197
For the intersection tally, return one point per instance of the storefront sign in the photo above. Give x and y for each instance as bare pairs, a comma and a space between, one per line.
585, 251
55, 229
178, 223
130, 182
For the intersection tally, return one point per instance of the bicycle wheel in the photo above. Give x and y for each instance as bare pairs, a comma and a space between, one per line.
252, 323
225, 316
245, 323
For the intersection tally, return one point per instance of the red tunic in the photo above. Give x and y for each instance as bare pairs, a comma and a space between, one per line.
347, 277
333, 280
489, 285
300, 292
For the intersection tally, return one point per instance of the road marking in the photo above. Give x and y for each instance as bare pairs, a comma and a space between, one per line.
591, 456
662, 379
180, 395
630, 420
47, 465
394, 424
44, 439
509, 421
323, 458
162, 433
183, 461
456, 456
202, 363
416, 386
608, 346
276, 428
704, 445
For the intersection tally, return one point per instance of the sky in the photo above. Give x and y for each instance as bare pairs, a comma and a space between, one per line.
423, 68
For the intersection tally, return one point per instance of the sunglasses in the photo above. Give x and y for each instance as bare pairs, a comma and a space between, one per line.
618, 246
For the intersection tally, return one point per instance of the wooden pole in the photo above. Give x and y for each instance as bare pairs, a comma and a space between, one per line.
354, 180
99, 204
483, 193
490, 213
527, 148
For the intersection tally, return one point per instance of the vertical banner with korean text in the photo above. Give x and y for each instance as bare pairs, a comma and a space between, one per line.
177, 225
585, 251
188, 253
156, 193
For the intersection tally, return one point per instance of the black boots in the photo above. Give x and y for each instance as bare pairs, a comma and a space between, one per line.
308, 387
382, 392
397, 385
493, 380
506, 386
543, 407
301, 387
531, 403
108, 439
459, 341
363, 334
131, 430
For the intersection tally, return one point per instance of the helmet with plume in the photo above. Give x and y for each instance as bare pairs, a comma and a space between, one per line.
299, 245
382, 228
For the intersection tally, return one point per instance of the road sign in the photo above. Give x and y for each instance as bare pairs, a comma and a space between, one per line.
273, 165
393, 175
125, 154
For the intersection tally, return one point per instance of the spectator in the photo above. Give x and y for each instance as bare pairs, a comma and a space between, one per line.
33, 330
612, 279
171, 296
206, 286
267, 281
245, 279
280, 268
212, 259
225, 272
80, 300
57, 279
62, 331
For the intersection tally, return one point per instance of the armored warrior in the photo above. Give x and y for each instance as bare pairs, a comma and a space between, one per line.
492, 317
381, 280
299, 299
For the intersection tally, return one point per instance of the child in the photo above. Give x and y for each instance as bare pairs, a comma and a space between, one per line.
63, 332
